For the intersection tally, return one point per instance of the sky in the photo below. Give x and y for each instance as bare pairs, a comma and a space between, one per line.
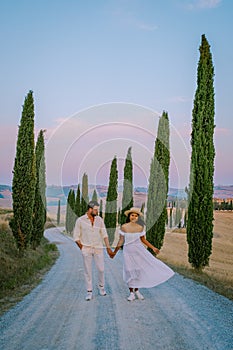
102, 72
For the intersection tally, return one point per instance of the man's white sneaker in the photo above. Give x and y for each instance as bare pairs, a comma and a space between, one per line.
89, 296
102, 291
139, 295
131, 297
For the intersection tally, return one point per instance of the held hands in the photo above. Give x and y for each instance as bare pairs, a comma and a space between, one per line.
110, 253
155, 250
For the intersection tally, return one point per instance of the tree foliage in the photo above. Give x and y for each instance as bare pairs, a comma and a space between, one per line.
85, 198
110, 217
70, 211
201, 187
77, 208
156, 215
39, 215
58, 212
101, 208
94, 196
127, 197
24, 177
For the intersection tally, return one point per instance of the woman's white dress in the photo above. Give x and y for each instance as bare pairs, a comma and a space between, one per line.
140, 268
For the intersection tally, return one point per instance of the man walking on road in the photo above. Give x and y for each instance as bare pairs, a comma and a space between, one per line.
89, 234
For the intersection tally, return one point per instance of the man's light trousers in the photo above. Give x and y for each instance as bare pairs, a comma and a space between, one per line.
89, 254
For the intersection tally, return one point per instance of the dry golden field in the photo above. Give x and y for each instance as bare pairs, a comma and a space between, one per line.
219, 274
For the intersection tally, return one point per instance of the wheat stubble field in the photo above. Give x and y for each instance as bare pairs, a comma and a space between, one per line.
219, 274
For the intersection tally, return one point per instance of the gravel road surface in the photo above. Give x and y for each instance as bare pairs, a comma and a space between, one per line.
177, 315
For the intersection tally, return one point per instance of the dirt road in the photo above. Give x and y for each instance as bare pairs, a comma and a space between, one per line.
177, 315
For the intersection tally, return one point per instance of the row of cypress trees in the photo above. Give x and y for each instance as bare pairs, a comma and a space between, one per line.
77, 204
29, 182
157, 191
200, 191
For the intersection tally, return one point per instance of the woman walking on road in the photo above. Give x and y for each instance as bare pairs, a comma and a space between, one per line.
140, 268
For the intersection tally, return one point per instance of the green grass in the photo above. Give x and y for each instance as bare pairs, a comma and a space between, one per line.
218, 286
19, 272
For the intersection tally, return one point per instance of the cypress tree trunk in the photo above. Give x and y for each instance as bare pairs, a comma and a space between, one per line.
85, 198
110, 217
200, 208
24, 178
158, 186
39, 217
127, 197
58, 212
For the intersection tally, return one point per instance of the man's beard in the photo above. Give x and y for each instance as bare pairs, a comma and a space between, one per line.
93, 214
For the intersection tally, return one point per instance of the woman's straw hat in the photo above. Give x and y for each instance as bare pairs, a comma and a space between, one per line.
133, 210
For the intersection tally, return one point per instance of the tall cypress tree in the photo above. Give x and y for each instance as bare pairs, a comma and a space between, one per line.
24, 178
58, 212
127, 197
70, 214
101, 208
78, 203
85, 198
39, 215
156, 215
201, 187
110, 217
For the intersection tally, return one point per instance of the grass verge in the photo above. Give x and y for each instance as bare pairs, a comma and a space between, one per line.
217, 285
19, 274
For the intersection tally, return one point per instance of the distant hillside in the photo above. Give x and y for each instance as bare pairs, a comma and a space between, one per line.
54, 193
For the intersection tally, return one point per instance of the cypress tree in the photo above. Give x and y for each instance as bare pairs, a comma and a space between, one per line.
94, 196
143, 207
58, 212
171, 210
39, 217
85, 198
101, 209
70, 214
77, 208
127, 197
158, 185
201, 187
24, 178
119, 216
110, 217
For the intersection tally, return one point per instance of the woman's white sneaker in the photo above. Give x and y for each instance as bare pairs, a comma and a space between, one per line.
139, 295
102, 291
131, 297
89, 296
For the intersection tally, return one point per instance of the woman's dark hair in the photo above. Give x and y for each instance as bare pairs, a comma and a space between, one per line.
139, 222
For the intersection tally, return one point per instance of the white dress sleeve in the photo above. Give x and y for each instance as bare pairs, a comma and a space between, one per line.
143, 233
121, 232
